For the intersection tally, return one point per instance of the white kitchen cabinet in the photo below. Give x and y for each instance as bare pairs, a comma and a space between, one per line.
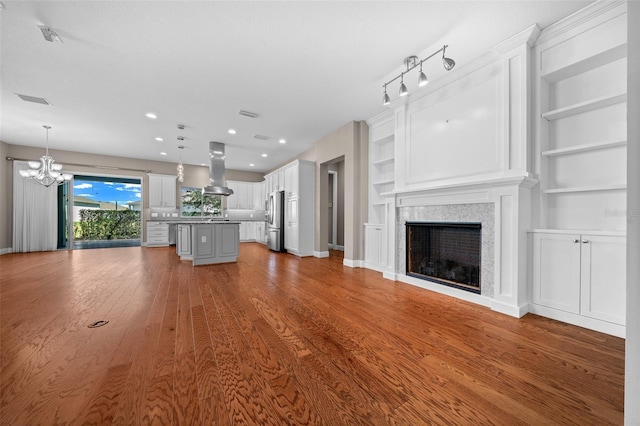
582, 274
232, 200
250, 231
157, 234
259, 196
162, 191
260, 234
242, 231
292, 224
297, 179
375, 248
183, 241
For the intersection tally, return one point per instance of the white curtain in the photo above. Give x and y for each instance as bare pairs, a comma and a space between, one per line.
35, 213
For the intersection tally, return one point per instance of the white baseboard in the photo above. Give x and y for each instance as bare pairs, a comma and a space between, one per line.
512, 311
389, 275
353, 263
336, 247
575, 319
320, 254
6, 250
374, 267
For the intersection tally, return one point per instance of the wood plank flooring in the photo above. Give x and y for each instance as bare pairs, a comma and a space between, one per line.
274, 339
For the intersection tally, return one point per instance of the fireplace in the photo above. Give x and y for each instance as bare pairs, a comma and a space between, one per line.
445, 253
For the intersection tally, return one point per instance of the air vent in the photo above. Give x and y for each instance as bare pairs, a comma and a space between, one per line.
261, 137
35, 99
247, 113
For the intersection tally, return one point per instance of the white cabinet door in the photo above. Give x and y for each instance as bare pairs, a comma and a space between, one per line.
169, 192
183, 241
291, 233
243, 231
603, 271
250, 231
232, 200
375, 248
258, 196
556, 271
288, 181
247, 196
155, 191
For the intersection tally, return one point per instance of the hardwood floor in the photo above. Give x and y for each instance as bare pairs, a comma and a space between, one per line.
274, 339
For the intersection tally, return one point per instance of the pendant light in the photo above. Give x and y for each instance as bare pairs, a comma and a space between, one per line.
45, 172
180, 166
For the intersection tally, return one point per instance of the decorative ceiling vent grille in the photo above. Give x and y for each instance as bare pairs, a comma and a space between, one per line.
261, 137
35, 99
248, 113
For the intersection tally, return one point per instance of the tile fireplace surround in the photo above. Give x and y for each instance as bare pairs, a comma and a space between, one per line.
502, 205
482, 213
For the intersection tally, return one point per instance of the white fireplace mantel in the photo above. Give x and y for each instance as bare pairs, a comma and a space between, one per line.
510, 201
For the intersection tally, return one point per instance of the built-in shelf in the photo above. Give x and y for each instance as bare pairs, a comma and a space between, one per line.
586, 189
383, 161
587, 64
584, 107
377, 204
582, 148
383, 182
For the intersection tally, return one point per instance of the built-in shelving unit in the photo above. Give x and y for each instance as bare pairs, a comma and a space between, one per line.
589, 105
578, 246
583, 138
382, 175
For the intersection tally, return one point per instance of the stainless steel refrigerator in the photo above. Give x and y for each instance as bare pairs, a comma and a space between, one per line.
275, 221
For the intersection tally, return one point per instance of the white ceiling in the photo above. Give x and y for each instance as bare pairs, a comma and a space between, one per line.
306, 68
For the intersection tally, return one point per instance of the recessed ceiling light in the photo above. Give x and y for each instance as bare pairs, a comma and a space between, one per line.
264, 155
282, 141
251, 164
163, 153
202, 164
151, 115
159, 139
232, 131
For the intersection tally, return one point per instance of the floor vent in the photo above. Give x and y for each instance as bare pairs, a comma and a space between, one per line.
97, 324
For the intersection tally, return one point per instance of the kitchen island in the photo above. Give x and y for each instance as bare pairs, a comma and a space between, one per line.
206, 243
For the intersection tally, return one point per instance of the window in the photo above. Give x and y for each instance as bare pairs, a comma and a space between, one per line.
195, 204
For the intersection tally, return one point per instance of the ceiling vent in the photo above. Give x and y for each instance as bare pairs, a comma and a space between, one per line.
247, 113
261, 137
35, 99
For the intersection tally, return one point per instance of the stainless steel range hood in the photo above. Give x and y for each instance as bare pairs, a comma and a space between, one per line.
217, 182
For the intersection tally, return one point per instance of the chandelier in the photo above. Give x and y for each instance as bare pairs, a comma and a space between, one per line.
180, 166
45, 172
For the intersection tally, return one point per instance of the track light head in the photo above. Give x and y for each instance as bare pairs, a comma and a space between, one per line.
403, 90
385, 99
422, 80
448, 63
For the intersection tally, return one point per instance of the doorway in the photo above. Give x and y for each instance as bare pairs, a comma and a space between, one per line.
335, 203
105, 212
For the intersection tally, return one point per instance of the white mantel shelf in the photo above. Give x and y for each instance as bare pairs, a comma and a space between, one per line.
477, 183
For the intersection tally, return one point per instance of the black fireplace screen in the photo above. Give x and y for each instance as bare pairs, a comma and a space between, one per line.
446, 253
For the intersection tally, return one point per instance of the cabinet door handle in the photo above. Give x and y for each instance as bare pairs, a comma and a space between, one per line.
576, 241
585, 241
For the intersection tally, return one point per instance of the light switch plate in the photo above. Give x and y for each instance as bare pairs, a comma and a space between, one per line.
204, 239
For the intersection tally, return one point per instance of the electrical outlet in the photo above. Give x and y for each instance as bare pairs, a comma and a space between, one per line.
204, 239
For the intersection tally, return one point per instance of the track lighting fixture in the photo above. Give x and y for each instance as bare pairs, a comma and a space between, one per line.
412, 62
447, 62
385, 98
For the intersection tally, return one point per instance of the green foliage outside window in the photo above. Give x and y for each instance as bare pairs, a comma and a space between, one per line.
195, 204
107, 225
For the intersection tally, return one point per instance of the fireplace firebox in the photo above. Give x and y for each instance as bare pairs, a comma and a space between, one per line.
445, 253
